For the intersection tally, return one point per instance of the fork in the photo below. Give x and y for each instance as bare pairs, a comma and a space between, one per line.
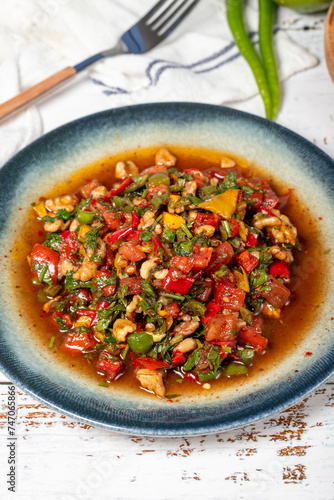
148, 32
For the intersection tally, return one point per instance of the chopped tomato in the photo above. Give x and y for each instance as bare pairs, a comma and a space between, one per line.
134, 285
108, 260
202, 258
107, 290
112, 219
184, 264
41, 254
69, 245
109, 365
173, 309
132, 252
270, 200
162, 188
73, 344
208, 286
208, 220
220, 255
228, 296
61, 321
149, 363
248, 335
275, 292
254, 199
222, 327
248, 261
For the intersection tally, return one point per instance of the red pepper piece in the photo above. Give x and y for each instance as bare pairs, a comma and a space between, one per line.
234, 228
86, 312
248, 261
101, 305
41, 254
157, 243
135, 220
149, 363
181, 286
121, 233
252, 240
278, 268
65, 234
121, 187
264, 210
211, 310
178, 358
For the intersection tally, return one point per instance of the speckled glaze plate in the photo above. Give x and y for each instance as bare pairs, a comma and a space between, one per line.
47, 161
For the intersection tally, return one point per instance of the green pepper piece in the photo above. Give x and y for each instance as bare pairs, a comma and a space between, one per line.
42, 297
138, 181
235, 368
140, 342
85, 217
203, 377
194, 307
158, 179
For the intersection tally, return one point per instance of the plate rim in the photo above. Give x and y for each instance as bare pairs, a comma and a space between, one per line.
194, 428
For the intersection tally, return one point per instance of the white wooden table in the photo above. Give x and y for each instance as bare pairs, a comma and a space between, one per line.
287, 456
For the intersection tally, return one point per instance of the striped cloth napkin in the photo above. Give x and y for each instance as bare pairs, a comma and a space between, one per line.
199, 62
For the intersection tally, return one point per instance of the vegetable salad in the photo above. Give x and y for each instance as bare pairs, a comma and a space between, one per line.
167, 271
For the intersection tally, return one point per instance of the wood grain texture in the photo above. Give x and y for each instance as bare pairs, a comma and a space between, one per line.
40, 89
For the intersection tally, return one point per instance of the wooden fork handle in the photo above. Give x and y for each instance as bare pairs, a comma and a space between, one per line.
28, 96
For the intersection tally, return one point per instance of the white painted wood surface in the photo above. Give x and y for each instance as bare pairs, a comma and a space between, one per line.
287, 456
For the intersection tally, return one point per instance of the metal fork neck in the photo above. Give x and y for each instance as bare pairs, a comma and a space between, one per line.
119, 49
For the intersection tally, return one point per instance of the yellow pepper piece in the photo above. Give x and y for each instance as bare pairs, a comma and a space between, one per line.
29, 259
172, 221
82, 231
146, 247
100, 336
40, 209
243, 231
83, 321
156, 337
224, 204
270, 311
120, 263
168, 317
175, 197
242, 282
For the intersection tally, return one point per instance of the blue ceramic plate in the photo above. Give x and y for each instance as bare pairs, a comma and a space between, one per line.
49, 160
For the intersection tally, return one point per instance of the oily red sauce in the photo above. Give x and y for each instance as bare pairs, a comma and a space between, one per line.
284, 334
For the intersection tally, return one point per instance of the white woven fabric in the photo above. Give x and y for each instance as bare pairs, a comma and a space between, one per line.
199, 62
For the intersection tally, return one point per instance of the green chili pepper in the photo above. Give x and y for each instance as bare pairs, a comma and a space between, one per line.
266, 13
236, 23
140, 342
85, 217
203, 377
158, 179
138, 181
235, 368
186, 231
